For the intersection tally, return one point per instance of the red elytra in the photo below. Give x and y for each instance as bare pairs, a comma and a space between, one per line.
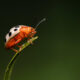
25, 32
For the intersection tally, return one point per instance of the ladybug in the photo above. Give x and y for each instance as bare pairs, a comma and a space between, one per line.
17, 33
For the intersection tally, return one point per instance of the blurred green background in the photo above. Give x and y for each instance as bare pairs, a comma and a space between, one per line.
55, 55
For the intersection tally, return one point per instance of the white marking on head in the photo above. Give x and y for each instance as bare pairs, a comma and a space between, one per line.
13, 31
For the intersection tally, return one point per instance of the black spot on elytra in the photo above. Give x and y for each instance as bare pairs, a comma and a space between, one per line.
10, 34
15, 29
5, 40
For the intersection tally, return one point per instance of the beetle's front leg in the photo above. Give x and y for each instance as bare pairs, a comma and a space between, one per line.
15, 50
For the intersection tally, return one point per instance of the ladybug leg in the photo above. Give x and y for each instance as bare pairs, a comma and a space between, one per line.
18, 42
14, 50
19, 46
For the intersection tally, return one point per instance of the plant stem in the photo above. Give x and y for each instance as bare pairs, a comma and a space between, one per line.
10, 66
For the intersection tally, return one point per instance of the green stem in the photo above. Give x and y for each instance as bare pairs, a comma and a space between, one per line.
10, 66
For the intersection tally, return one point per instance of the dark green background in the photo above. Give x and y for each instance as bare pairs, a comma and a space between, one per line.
55, 55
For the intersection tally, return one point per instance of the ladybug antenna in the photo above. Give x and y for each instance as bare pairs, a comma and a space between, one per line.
44, 19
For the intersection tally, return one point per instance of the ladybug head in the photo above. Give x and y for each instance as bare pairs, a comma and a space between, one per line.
13, 31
